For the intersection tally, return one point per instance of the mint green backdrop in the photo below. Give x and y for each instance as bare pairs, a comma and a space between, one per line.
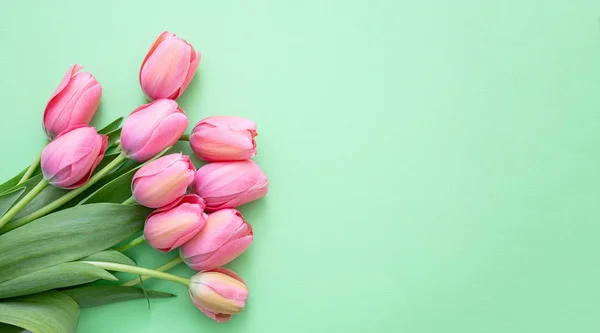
435, 165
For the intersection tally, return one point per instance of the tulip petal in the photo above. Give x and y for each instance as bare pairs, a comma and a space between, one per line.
224, 255
166, 69
164, 35
220, 227
194, 62
89, 100
165, 135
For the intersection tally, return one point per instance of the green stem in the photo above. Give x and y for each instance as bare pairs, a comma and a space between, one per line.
14, 210
129, 201
140, 271
133, 243
165, 267
65, 198
185, 137
31, 169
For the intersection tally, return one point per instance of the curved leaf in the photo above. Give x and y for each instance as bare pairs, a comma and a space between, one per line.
112, 126
116, 191
113, 136
48, 195
8, 199
6, 328
118, 188
48, 312
111, 256
67, 235
9, 184
91, 296
59, 276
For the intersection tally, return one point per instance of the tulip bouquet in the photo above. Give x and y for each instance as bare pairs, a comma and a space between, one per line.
66, 220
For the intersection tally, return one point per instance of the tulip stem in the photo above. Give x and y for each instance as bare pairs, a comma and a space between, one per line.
111, 266
133, 243
31, 169
165, 267
62, 200
14, 210
129, 201
185, 137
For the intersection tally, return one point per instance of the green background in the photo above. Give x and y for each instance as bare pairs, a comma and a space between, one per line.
434, 165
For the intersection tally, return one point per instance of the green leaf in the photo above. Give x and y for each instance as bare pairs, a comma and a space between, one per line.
48, 195
59, 276
119, 187
116, 191
9, 184
49, 312
67, 235
8, 199
6, 328
91, 296
111, 256
112, 126
113, 136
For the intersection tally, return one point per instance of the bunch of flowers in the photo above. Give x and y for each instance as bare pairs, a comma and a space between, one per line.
66, 220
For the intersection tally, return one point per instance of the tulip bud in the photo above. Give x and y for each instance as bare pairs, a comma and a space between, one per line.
151, 128
170, 226
73, 103
168, 67
161, 182
224, 237
230, 184
219, 293
224, 139
69, 160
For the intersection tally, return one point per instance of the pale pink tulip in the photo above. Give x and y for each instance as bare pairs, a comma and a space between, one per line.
168, 67
224, 237
151, 128
73, 103
161, 182
69, 160
170, 226
219, 293
230, 184
219, 138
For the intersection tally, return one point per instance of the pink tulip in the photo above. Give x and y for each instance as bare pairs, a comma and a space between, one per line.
224, 237
161, 182
219, 293
168, 67
69, 160
170, 226
151, 128
73, 103
230, 184
217, 139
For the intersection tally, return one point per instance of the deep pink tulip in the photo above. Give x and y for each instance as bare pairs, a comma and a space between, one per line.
170, 226
224, 237
218, 138
219, 293
151, 128
69, 160
168, 67
161, 182
230, 184
73, 103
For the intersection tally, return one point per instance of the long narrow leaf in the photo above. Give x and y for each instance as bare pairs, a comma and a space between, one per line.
8, 199
67, 235
91, 296
49, 312
115, 124
59, 276
9, 184
111, 256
